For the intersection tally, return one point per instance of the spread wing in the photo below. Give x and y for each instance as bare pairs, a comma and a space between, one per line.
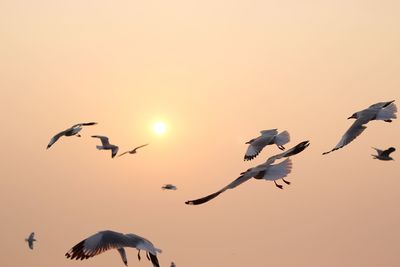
84, 124
257, 144
381, 104
140, 147
97, 244
277, 171
123, 153
55, 138
290, 152
103, 139
352, 133
243, 178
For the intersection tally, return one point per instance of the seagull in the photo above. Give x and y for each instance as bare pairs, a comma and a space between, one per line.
266, 171
384, 154
30, 240
385, 111
133, 151
106, 145
169, 187
73, 130
105, 240
267, 137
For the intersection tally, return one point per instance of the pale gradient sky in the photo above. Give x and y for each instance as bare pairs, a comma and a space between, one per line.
217, 72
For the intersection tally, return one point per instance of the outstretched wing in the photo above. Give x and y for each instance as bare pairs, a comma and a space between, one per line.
290, 152
352, 133
97, 244
277, 171
32, 235
140, 147
123, 153
55, 138
256, 145
84, 124
243, 178
103, 139
381, 104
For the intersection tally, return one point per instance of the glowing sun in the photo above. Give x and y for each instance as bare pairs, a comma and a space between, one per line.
159, 128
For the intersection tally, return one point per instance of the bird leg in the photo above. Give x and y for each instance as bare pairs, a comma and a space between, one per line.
281, 147
138, 254
278, 185
147, 255
286, 182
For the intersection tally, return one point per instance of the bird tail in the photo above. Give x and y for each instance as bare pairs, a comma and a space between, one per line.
282, 138
387, 113
99, 147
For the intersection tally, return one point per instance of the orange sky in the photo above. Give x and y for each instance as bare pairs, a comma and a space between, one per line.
217, 72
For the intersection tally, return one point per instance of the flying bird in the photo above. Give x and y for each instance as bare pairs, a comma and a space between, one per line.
133, 151
105, 145
168, 187
266, 171
267, 137
74, 130
30, 240
384, 154
106, 240
385, 111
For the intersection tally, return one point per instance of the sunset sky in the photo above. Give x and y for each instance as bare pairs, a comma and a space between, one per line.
216, 73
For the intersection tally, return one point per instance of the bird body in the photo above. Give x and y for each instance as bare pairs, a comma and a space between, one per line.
73, 130
267, 137
30, 240
168, 187
105, 145
105, 240
383, 154
266, 171
385, 111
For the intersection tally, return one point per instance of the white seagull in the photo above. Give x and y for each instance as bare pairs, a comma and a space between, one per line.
168, 187
266, 171
30, 240
385, 111
133, 151
106, 145
106, 240
383, 154
267, 137
73, 130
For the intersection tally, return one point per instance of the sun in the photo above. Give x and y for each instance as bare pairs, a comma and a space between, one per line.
159, 128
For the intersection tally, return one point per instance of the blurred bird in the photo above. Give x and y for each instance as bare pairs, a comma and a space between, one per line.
383, 154
173, 264
30, 240
133, 151
106, 240
266, 171
106, 145
267, 137
168, 187
74, 130
385, 111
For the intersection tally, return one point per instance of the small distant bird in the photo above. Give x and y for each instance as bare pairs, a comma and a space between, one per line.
133, 151
384, 154
74, 130
30, 240
268, 137
173, 264
106, 240
168, 187
266, 171
106, 145
385, 111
